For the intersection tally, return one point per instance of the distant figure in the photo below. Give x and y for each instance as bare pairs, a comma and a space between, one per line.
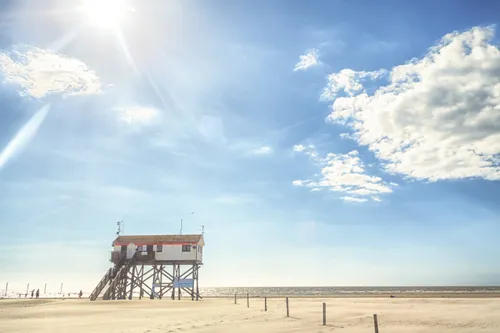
392, 296
37, 293
80, 294
32, 293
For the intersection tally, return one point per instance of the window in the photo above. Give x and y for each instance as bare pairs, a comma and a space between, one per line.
199, 249
159, 248
139, 248
186, 248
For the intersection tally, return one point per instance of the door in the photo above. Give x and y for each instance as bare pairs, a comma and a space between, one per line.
123, 251
151, 254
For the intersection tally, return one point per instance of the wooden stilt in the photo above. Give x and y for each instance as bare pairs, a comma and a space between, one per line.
173, 279
375, 323
196, 281
130, 276
324, 314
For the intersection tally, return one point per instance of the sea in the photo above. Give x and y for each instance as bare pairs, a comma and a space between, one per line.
339, 291
294, 291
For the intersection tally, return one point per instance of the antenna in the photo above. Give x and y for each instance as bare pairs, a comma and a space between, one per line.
121, 228
203, 230
180, 232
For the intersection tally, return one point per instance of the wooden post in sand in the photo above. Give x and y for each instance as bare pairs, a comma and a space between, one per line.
248, 301
375, 323
6, 287
287, 308
324, 314
234, 298
265, 303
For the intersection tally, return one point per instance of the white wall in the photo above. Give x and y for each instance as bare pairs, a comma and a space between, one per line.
131, 250
169, 252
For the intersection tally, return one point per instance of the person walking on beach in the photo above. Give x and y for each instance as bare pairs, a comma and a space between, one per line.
32, 293
80, 294
37, 293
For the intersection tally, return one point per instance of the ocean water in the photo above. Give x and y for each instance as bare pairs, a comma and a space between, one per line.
339, 291
292, 291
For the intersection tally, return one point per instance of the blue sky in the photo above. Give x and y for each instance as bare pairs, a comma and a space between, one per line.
357, 139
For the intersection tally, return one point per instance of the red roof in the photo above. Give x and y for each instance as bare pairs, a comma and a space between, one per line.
158, 239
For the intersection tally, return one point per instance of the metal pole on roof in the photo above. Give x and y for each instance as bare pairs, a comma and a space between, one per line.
121, 228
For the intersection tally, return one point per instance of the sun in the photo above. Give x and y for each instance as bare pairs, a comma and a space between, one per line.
105, 13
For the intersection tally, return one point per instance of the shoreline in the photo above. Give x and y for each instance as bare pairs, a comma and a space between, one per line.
243, 296
375, 295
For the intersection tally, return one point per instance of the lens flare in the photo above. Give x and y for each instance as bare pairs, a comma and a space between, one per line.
24, 136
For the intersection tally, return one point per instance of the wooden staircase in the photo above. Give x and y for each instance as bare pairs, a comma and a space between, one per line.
108, 278
120, 277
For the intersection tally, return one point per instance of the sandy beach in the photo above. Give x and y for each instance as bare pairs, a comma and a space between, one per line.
350, 315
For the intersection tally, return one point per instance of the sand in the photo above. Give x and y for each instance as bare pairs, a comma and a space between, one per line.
349, 315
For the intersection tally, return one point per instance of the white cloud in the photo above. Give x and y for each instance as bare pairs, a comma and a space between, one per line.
40, 72
437, 118
138, 115
344, 173
377, 199
354, 199
264, 150
299, 148
307, 60
347, 136
299, 183
309, 150
349, 81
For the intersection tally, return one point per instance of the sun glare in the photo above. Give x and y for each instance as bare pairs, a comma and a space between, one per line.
105, 13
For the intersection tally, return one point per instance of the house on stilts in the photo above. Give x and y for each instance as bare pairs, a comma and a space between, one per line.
153, 266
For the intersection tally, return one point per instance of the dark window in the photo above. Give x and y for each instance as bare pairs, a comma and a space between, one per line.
159, 248
186, 248
139, 248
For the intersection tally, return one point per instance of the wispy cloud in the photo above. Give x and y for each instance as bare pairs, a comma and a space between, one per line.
38, 72
308, 60
138, 115
264, 150
450, 97
344, 173
354, 199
